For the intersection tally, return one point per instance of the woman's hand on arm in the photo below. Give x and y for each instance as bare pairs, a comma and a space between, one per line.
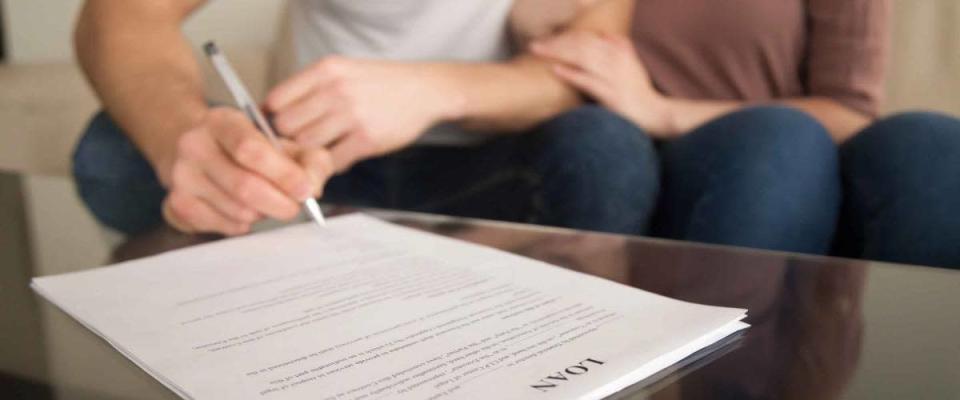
607, 68
365, 108
516, 95
847, 45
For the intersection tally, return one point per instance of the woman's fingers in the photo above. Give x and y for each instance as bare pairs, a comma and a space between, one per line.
620, 41
583, 50
591, 84
597, 64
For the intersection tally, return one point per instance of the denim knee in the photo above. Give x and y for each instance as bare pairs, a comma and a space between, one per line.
905, 155
764, 177
599, 171
773, 142
902, 178
114, 180
775, 131
906, 145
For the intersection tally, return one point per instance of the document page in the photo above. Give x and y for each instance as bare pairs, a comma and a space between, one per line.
364, 309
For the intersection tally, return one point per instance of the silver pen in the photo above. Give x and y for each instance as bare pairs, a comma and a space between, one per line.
245, 101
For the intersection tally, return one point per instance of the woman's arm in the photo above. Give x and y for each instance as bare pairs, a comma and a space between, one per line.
607, 68
845, 60
847, 46
518, 94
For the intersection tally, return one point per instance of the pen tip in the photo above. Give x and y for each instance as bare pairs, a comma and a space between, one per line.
315, 212
210, 48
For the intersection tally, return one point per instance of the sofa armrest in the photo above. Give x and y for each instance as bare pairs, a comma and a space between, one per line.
45, 107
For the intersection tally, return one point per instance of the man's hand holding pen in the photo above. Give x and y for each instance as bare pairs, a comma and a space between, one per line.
331, 115
227, 175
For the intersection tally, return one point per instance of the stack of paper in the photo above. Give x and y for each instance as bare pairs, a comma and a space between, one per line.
368, 310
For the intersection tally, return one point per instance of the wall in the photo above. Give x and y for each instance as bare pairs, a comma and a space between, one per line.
45, 101
925, 62
925, 67
40, 30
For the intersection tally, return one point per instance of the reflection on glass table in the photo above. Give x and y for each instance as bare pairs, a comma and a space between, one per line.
822, 328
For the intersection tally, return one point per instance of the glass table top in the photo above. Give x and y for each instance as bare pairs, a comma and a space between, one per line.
822, 328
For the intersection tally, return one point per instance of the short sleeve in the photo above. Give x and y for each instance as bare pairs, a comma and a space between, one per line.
847, 49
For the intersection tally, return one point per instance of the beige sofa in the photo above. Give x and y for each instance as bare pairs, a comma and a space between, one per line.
44, 101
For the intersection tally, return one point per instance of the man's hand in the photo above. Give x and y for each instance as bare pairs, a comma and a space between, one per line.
607, 68
361, 108
227, 175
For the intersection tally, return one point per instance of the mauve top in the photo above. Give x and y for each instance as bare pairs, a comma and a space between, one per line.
758, 50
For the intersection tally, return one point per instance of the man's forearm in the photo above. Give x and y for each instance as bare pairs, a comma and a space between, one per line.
146, 76
516, 95
505, 97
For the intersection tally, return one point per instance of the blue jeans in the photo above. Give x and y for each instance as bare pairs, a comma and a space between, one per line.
769, 177
586, 169
902, 191
763, 177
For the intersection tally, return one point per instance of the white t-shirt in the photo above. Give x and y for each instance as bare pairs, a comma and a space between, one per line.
406, 30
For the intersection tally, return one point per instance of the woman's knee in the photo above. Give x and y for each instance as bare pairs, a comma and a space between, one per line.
773, 141
598, 170
912, 157
594, 140
907, 142
772, 168
903, 187
785, 130
923, 123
